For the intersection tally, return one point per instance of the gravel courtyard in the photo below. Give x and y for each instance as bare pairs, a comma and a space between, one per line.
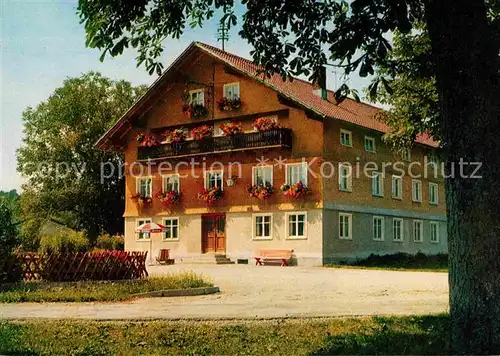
248, 291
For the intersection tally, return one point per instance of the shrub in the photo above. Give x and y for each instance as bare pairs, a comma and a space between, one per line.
10, 270
110, 242
64, 241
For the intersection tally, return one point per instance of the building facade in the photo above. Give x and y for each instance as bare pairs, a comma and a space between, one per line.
232, 163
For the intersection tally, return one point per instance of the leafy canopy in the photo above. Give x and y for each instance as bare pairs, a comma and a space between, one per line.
60, 163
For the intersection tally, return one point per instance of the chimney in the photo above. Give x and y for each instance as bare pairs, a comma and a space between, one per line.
319, 84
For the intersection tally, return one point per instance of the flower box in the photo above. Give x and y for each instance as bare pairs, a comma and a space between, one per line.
201, 132
147, 140
175, 135
211, 195
195, 110
265, 124
297, 190
142, 200
169, 197
226, 104
260, 191
231, 129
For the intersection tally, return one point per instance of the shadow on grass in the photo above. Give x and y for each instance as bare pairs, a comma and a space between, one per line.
10, 342
427, 336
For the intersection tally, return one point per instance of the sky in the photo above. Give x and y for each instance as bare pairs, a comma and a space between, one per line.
43, 43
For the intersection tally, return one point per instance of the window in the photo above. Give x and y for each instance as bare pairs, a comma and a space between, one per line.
433, 193
377, 184
232, 91
397, 229
172, 232
144, 186
369, 144
416, 190
262, 175
262, 226
346, 138
406, 154
345, 178
197, 97
417, 230
378, 228
214, 179
296, 173
297, 225
434, 232
345, 226
397, 187
171, 182
432, 159
143, 235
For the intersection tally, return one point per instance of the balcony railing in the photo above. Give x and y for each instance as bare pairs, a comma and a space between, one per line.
247, 141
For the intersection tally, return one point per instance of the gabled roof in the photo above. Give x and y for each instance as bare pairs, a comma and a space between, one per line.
298, 90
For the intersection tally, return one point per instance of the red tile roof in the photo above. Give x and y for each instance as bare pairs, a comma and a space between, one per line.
301, 91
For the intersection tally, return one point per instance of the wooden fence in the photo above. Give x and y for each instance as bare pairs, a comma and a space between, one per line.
77, 266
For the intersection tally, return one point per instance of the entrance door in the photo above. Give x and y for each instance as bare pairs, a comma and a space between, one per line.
214, 233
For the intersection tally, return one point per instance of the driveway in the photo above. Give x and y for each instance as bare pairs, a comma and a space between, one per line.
248, 291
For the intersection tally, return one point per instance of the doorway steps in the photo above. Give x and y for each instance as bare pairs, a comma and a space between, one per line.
208, 259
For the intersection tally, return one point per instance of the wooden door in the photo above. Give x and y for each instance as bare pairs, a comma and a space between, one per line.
214, 233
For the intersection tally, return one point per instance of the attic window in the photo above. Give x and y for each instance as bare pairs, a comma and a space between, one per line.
197, 97
232, 91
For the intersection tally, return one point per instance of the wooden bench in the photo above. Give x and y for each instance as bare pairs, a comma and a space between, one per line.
273, 256
164, 257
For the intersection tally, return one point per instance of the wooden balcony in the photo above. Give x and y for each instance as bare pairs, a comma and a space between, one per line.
276, 138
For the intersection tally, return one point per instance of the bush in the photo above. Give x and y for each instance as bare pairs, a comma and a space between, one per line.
64, 241
108, 242
9, 268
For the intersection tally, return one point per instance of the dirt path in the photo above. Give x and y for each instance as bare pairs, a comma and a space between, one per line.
269, 292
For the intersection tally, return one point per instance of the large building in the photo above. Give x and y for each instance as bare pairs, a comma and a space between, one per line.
333, 198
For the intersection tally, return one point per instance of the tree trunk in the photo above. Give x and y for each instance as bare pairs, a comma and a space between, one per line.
465, 52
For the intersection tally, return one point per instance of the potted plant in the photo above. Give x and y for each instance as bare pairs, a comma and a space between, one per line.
194, 110
201, 132
231, 129
265, 124
297, 190
142, 199
226, 104
169, 197
211, 195
147, 140
175, 135
260, 191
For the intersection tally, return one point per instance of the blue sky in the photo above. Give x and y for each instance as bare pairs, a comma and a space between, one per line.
43, 43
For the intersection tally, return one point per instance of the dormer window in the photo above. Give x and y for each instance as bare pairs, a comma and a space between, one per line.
197, 97
232, 91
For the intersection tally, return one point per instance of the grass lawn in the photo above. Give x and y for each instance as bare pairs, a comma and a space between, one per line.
401, 262
368, 335
90, 291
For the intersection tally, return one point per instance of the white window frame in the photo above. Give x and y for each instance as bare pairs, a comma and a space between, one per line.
138, 186
287, 221
372, 139
436, 193
164, 221
164, 182
214, 171
379, 186
196, 91
406, 154
421, 237
433, 159
254, 175
401, 229
234, 84
346, 132
349, 226
436, 225
400, 180
138, 234
254, 226
414, 183
305, 167
382, 228
349, 177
